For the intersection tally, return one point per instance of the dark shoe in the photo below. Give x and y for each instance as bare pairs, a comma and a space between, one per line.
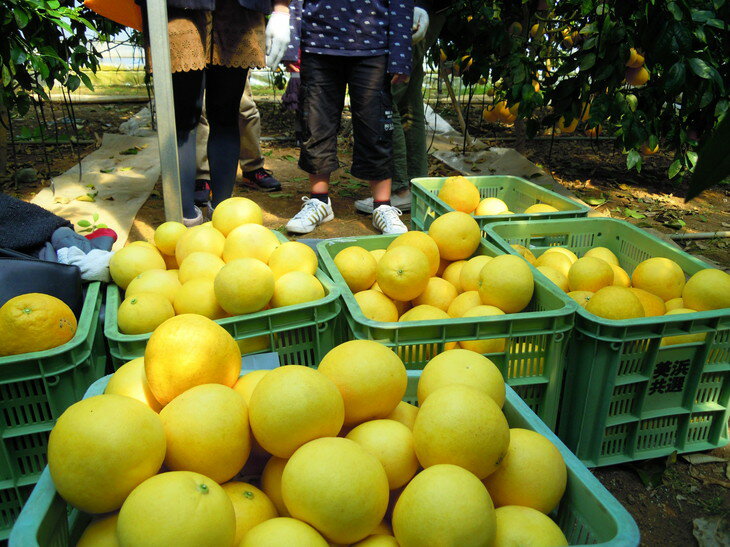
298, 139
201, 195
262, 179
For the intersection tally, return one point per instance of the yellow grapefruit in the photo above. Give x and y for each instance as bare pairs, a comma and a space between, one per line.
357, 267
615, 303
101, 448
603, 253
708, 289
370, 376
293, 256
525, 526
35, 322
682, 338
444, 505
200, 264
581, 297
463, 303
100, 532
422, 242
336, 486
555, 276
491, 206
294, 288
562, 250
186, 351
402, 273
590, 274
460, 366
469, 277
199, 238
244, 285
376, 306
178, 508
391, 442
167, 235
456, 234
652, 304
439, 293
541, 207
404, 413
525, 253
532, 474
292, 405
271, 483
250, 505
129, 380
248, 382
143, 312
555, 260
283, 531
459, 193
207, 432
198, 296
250, 241
506, 282
660, 276
461, 425
161, 282
233, 212
132, 260
452, 274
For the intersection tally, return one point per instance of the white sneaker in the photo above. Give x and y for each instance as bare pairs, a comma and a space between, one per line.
312, 214
396, 200
386, 218
190, 222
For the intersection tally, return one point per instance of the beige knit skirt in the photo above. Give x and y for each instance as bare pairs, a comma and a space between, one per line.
230, 36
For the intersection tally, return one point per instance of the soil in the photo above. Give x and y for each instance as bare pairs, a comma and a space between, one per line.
663, 496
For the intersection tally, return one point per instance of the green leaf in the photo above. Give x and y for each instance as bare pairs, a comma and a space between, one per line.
84, 223
129, 152
633, 214
95, 217
692, 157
111, 170
674, 168
675, 10
633, 159
102, 225
675, 77
595, 201
588, 61
21, 17
676, 224
699, 67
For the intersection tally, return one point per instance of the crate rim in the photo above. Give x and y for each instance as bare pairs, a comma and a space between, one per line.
353, 308
113, 295
641, 321
92, 293
579, 207
627, 531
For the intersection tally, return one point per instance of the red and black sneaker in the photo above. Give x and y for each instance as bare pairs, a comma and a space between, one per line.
201, 194
261, 179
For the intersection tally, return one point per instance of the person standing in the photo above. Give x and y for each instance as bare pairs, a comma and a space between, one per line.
213, 44
410, 145
251, 159
363, 46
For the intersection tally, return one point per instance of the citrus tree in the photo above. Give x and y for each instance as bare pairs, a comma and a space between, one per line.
648, 73
46, 43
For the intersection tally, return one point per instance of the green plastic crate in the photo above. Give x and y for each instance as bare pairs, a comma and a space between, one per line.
588, 514
35, 389
516, 192
625, 397
534, 354
301, 334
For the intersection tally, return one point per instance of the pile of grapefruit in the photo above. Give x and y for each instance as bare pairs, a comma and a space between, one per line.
230, 266
181, 451
657, 286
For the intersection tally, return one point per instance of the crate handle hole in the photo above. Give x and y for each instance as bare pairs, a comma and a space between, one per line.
52, 380
616, 346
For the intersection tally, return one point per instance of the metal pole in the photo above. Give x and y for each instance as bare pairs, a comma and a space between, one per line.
164, 108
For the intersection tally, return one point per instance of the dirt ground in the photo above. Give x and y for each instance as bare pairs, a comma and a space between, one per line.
664, 496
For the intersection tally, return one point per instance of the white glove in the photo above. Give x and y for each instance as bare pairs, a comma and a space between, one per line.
420, 24
94, 265
277, 38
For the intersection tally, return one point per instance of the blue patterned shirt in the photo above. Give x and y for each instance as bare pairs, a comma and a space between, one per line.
354, 28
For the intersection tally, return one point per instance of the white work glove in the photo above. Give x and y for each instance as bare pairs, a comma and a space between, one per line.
277, 38
94, 265
420, 24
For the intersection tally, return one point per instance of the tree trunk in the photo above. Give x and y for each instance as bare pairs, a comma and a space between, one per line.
520, 135
4, 143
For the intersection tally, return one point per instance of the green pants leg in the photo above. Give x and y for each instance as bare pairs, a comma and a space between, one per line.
410, 158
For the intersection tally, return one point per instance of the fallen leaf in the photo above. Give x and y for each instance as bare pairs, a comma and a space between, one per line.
107, 170
62, 201
633, 214
595, 201
129, 152
676, 224
699, 458
86, 197
125, 168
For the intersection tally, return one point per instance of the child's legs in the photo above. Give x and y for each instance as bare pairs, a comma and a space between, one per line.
187, 91
322, 98
372, 123
223, 91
